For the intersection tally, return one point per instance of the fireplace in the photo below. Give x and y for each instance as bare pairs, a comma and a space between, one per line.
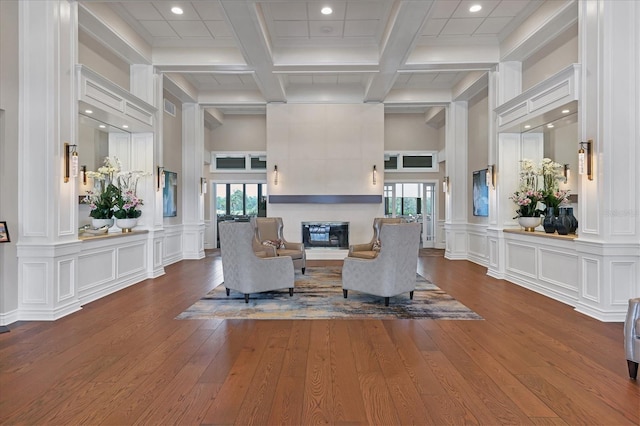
325, 235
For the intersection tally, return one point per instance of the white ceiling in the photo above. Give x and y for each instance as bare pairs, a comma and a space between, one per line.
394, 51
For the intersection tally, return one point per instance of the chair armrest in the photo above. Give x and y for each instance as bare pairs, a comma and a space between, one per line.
361, 247
293, 246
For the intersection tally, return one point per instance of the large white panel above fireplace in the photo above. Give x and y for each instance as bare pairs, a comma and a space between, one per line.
326, 149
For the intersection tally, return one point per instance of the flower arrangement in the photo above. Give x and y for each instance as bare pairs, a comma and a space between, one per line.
127, 202
102, 198
114, 191
552, 175
533, 201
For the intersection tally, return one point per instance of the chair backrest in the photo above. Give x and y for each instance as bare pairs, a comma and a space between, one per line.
399, 251
268, 228
379, 221
236, 251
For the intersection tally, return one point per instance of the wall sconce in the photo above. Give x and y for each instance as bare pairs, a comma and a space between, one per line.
70, 161
491, 176
203, 185
160, 183
585, 159
375, 174
566, 173
445, 184
84, 175
275, 174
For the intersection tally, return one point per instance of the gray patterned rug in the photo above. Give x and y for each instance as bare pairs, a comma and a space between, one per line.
318, 295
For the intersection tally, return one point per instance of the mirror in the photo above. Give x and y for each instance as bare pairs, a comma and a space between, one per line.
559, 139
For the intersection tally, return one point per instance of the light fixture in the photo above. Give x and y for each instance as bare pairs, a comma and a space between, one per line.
566, 173
491, 175
177, 10
275, 174
326, 10
375, 174
475, 8
88, 111
203, 185
566, 111
125, 126
160, 183
84, 175
445, 184
550, 126
70, 161
102, 126
585, 159
528, 126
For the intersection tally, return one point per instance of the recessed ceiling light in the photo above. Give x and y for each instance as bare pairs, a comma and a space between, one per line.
565, 111
550, 125
88, 111
102, 126
177, 10
528, 126
124, 126
475, 8
326, 10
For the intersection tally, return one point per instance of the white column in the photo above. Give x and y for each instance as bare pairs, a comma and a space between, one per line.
457, 170
609, 213
505, 151
192, 164
48, 207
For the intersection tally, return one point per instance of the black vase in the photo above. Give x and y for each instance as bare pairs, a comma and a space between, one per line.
563, 222
572, 219
549, 222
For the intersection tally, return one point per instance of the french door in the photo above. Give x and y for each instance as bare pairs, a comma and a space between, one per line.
414, 201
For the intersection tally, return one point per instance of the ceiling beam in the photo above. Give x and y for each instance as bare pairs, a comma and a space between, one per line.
249, 30
402, 34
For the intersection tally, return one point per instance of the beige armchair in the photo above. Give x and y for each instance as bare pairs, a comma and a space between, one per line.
244, 271
390, 273
369, 250
632, 337
270, 229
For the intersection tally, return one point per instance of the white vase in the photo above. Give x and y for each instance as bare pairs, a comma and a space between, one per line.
126, 224
529, 223
99, 223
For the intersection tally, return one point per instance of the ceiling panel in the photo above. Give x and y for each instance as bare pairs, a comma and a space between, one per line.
286, 11
461, 26
492, 25
219, 29
159, 28
142, 11
208, 11
360, 28
190, 14
326, 28
510, 8
190, 28
462, 11
291, 29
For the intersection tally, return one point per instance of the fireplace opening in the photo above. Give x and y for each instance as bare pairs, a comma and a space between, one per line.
325, 235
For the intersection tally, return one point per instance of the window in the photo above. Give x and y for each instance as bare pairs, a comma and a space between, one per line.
245, 162
411, 161
241, 199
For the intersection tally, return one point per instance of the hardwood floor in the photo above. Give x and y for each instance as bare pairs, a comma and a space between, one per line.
125, 360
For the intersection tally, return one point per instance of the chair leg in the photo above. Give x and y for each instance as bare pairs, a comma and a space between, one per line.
303, 271
386, 301
246, 298
633, 369
291, 292
411, 295
228, 291
344, 293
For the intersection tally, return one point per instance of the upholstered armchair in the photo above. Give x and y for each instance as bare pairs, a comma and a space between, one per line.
370, 250
269, 239
392, 271
632, 337
244, 271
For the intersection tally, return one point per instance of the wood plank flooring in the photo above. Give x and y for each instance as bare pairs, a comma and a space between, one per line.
125, 360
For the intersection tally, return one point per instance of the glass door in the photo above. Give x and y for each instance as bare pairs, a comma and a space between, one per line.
414, 202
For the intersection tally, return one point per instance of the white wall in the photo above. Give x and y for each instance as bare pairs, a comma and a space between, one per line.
240, 133
478, 152
326, 149
172, 151
103, 61
551, 58
9, 157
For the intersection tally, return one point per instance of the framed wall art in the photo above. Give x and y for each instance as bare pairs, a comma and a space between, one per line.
480, 193
170, 194
4, 233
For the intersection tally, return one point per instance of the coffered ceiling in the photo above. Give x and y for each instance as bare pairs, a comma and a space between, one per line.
234, 54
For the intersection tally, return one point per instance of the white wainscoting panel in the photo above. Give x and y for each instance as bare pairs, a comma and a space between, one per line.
172, 244
477, 243
66, 278
521, 259
623, 282
131, 259
591, 279
96, 268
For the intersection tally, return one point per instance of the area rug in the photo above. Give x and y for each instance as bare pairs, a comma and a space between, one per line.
318, 295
